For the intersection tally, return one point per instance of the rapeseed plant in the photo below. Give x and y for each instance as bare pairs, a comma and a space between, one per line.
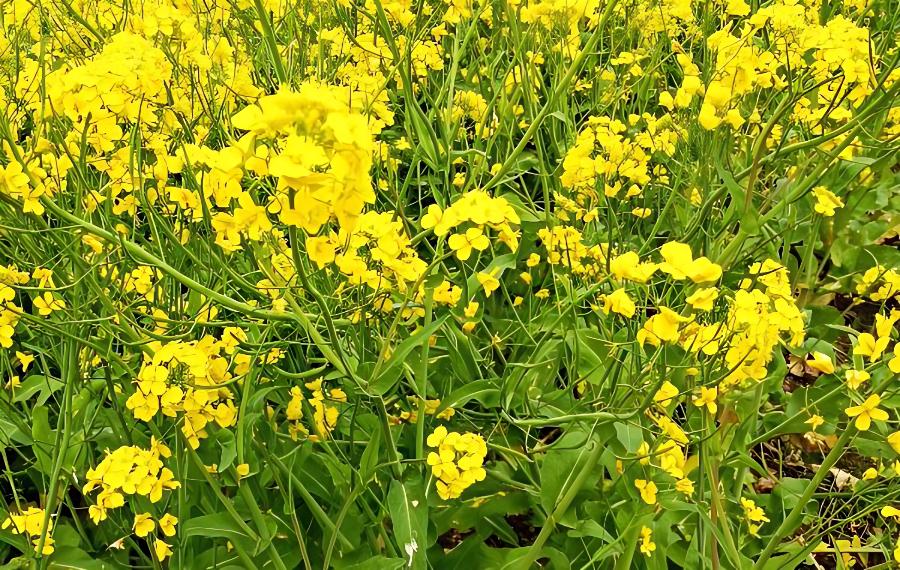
498, 283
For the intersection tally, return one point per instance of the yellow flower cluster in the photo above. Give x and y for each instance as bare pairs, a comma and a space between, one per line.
477, 210
431, 408
376, 252
754, 515
564, 13
691, 85
365, 63
615, 156
325, 416
669, 451
565, 246
122, 83
879, 283
185, 377
31, 522
44, 304
144, 525
471, 105
9, 315
458, 461
672, 17
320, 150
760, 314
796, 38
129, 470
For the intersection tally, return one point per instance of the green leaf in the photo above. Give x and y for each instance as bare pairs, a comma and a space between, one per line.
218, 525
484, 391
226, 441
398, 358
10, 433
558, 471
375, 563
409, 515
750, 221
369, 461
34, 384
631, 436
44, 438
70, 558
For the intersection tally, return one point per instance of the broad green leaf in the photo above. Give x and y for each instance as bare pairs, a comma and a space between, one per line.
34, 384
409, 517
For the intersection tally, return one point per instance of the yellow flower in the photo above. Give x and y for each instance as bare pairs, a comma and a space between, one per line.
436, 437
685, 486
647, 545
162, 550
167, 524
641, 212
821, 362
464, 244
242, 470
885, 324
678, 258
647, 490
143, 524
707, 117
619, 302
855, 378
47, 304
826, 201
488, 282
866, 345
666, 100
890, 511
629, 266
665, 394
661, 327
894, 441
866, 412
815, 421
320, 250
894, 363
680, 264
703, 299
672, 430
432, 217
707, 398
25, 360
